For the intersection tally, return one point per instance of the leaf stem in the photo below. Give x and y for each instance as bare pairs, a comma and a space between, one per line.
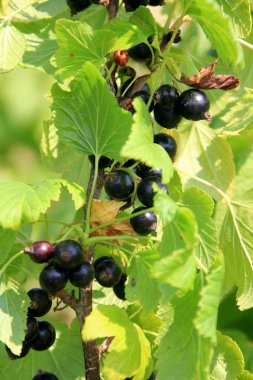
10, 261
245, 43
89, 205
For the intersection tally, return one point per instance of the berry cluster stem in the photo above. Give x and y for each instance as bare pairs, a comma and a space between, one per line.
113, 9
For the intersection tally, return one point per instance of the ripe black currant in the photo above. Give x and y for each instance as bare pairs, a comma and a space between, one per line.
167, 96
140, 52
24, 351
153, 173
194, 104
40, 303
68, 254
40, 252
145, 191
103, 162
119, 288
131, 5
119, 185
53, 279
31, 328
167, 142
45, 337
167, 118
155, 3
145, 97
107, 271
82, 276
41, 375
145, 223
77, 5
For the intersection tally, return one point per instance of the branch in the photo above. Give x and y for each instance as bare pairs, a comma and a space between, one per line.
105, 346
68, 299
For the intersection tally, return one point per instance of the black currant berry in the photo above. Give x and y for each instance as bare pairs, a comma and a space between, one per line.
153, 173
194, 105
103, 162
167, 118
119, 288
82, 276
140, 52
145, 191
145, 97
45, 337
167, 142
156, 3
77, 5
131, 5
40, 303
40, 252
31, 328
53, 279
135, 166
107, 271
24, 352
119, 185
68, 254
45, 376
145, 223
167, 96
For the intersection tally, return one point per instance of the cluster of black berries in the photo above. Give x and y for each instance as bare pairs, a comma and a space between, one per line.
39, 334
132, 5
41, 375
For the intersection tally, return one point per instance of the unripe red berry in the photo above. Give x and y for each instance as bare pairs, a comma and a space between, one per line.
120, 57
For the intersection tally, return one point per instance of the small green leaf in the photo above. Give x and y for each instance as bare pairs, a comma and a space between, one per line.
165, 206
240, 14
7, 239
12, 47
140, 144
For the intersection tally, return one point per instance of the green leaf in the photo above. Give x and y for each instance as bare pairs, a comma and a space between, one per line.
240, 14
140, 286
12, 47
182, 353
88, 118
140, 144
165, 206
245, 375
124, 358
37, 11
201, 204
207, 314
217, 28
7, 238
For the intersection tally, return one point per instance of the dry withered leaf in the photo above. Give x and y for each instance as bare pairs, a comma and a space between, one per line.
205, 79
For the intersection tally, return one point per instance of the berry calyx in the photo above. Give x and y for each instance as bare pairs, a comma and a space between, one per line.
194, 105
120, 57
145, 191
103, 162
167, 142
119, 288
167, 96
77, 5
68, 254
53, 279
45, 337
145, 223
167, 118
140, 52
82, 276
41, 375
119, 185
40, 252
40, 303
31, 329
24, 352
107, 271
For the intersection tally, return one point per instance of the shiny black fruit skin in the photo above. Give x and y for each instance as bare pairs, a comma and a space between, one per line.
40, 303
24, 352
193, 104
167, 142
167, 118
145, 223
40, 252
156, 3
45, 376
119, 288
103, 162
167, 96
45, 337
145, 97
140, 52
53, 279
107, 271
131, 5
119, 185
149, 172
145, 191
77, 5
31, 328
82, 276
68, 254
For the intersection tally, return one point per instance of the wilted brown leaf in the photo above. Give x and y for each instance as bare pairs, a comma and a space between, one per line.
205, 79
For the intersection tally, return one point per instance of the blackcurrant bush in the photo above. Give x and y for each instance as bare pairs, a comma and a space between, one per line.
40, 252
107, 271
167, 142
120, 57
40, 303
140, 52
45, 376
193, 104
45, 337
82, 276
167, 118
119, 185
145, 191
103, 162
167, 96
77, 5
145, 97
31, 328
68, 254
24, 352
155, 3
131, 5
119, 288
145, 223
53, 279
